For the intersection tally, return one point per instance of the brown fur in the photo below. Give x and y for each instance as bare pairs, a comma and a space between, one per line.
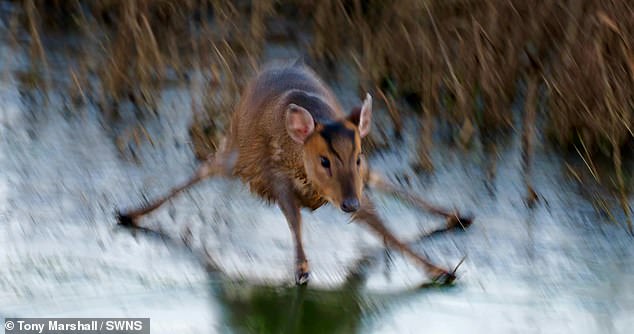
266, 152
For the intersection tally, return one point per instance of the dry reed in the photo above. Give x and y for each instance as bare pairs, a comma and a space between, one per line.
465, 63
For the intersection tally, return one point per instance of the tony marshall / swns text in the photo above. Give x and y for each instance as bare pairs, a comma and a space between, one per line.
82, 325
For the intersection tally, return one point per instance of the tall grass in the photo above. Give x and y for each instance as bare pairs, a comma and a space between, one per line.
463, 63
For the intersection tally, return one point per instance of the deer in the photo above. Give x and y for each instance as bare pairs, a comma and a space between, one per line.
291, 142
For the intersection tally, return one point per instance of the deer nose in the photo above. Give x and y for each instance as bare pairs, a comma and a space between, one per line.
350, 205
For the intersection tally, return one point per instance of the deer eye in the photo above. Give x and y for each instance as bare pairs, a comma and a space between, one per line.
358, 161
325, 162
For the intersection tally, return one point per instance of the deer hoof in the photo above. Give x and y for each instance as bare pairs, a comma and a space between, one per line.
459, 221
302, 277
125, 220
302, 274
445, 278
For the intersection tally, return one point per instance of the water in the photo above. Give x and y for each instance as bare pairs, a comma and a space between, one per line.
559, 267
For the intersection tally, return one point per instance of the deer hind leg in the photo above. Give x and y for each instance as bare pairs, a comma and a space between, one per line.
367, 215
454, 219
220, 164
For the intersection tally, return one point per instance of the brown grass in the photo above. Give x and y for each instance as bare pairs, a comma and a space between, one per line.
458, 60
465, 63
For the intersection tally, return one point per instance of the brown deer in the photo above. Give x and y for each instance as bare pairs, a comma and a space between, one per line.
291, 142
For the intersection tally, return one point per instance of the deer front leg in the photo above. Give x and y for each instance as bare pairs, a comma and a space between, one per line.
221, 164
290, 207
367, 215
454, 219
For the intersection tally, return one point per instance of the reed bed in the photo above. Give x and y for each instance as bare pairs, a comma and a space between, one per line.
474, 68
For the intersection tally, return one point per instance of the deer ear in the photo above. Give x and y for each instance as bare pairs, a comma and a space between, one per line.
362, 117
299, 123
